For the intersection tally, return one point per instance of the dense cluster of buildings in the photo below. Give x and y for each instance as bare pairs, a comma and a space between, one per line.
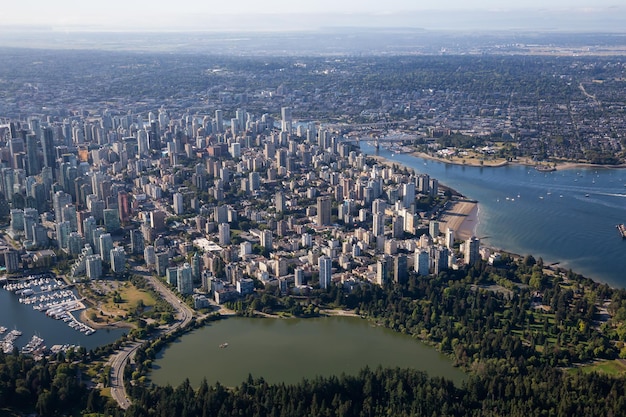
545, 107
217, 204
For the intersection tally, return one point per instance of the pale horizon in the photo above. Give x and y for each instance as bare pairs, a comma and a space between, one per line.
284, 15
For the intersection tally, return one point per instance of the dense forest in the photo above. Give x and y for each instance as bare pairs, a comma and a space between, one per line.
494, 391
50, 387
60, 384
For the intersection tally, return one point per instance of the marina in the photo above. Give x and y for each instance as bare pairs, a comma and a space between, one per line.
51, 296
9, 340
24, 317
35, 346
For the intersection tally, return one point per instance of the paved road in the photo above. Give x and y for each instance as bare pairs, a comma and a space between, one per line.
120, 359
117, 374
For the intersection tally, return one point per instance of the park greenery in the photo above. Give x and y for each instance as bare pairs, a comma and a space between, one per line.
528, 335
129, 301
56, 385
517, 310
514, 327
495, 391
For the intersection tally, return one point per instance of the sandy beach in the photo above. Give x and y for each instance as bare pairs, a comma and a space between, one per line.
462, 217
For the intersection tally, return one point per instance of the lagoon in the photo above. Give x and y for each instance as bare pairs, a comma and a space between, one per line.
288, 350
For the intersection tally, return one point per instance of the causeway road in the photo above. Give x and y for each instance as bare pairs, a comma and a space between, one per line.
119, 360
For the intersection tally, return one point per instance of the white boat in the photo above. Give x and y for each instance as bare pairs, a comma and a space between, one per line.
34, 343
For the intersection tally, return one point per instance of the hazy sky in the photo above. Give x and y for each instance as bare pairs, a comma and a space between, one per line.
178, 14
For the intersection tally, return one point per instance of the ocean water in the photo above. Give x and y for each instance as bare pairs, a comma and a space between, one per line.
566, 216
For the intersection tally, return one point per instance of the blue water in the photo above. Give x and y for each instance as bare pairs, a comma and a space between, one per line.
566, 216
14, 315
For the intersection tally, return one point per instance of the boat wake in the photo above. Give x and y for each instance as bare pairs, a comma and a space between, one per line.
613, 195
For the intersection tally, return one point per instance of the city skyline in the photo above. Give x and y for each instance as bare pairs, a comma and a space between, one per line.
163, 192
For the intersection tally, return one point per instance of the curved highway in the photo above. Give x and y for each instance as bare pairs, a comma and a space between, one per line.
118, 362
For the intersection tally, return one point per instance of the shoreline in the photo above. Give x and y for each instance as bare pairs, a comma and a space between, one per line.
551, 264
462, 217
325, 312
466, 218
98, 326
558, 165
463, 214
338, 313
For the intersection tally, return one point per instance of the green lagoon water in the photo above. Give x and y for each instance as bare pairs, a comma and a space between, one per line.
288, 350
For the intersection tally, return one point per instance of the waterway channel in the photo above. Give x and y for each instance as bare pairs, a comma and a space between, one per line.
288, 350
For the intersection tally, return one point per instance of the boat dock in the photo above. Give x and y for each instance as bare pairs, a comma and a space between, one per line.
51, 296
34, 346
7, 342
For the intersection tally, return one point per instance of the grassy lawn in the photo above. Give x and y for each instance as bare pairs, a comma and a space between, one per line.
106, 392
95, 369
570, 286
129, 298
614, 367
